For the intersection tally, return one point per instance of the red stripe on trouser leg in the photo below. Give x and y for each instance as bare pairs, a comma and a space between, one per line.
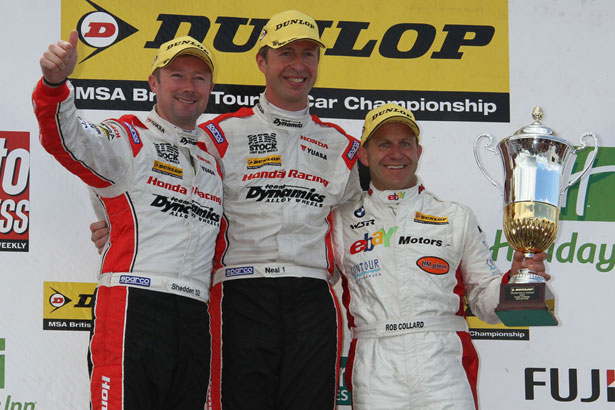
214, 395
470, 362
107, 347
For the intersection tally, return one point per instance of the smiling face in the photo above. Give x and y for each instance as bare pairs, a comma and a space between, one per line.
290, 73
392, 154
182, 90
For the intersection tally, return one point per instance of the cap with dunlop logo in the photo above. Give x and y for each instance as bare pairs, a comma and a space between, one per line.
288, 26
388, 113
182, 46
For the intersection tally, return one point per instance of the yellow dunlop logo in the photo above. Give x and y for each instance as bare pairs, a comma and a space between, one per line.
430, 219
260, 162
68, 305
444, 60
167, 169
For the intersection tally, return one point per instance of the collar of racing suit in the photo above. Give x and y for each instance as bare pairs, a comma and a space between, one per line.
280, 118
395, 197
176, 135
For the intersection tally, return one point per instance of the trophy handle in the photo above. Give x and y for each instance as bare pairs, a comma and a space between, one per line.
588, 164
478, 161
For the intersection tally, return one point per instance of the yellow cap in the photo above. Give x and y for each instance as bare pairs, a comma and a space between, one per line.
179, 46
388, 113
288, 26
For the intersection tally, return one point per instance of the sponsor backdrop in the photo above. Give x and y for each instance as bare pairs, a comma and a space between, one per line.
464, 68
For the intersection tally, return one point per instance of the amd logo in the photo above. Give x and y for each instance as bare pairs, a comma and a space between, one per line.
534, 380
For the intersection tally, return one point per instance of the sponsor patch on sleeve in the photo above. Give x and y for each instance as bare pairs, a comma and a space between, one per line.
430, 219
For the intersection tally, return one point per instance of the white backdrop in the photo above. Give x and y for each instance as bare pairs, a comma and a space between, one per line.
561, 57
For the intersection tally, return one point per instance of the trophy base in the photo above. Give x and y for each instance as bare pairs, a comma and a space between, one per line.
526, 304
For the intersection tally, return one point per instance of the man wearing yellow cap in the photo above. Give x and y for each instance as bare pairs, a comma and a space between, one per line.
275, 320
407, 260
162, 196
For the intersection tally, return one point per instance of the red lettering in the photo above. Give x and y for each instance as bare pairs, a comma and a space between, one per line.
101, 30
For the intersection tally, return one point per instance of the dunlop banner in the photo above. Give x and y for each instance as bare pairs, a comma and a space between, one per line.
68, 305
446, 61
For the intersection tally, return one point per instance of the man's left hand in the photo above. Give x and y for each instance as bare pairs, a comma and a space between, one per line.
535, 264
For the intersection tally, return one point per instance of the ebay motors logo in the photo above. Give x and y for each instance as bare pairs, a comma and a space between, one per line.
592, 198
369, 241
100, 29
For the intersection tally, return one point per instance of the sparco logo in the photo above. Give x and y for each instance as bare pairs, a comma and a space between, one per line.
135, 280
184, 209
133, 133
167, 151
239, 271
287, 123
536, 382
215, 132
262, 143
353, 150
283, 193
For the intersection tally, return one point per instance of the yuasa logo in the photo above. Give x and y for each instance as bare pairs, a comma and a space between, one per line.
101, 29
592, 198
588, 381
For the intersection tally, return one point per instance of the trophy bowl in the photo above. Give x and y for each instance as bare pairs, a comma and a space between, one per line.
537, 168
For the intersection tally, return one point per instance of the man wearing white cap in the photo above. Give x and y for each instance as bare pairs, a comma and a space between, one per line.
162, 198
275, 320
407, 260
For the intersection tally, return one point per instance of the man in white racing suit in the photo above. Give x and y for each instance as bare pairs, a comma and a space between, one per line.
408, 259
162, 195
276, 333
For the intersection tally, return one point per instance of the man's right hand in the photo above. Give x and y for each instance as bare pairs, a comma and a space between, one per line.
59, 60
100, 234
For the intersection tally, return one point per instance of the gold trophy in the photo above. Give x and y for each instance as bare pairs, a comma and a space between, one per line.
537, 167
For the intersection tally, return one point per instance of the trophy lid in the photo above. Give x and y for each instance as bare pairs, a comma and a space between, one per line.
537, 129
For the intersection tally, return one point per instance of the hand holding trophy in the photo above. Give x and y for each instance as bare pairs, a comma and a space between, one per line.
537, 166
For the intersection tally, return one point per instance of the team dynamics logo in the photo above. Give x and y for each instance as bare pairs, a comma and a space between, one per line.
592, 198
14, 191
101, 29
